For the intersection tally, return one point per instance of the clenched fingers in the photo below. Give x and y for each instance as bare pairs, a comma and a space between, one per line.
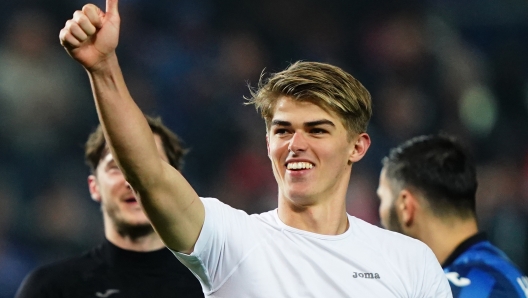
84, 23
73, 29
67, 39
94, 14
82, 26
77, 31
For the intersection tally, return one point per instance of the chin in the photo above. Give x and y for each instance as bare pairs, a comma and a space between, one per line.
135, 216
133, 219
300, 198
137, 222
134, 228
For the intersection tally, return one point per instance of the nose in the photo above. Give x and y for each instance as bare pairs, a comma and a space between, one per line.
297, 143
128, 185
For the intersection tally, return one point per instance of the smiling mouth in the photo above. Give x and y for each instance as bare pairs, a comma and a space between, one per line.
297, 166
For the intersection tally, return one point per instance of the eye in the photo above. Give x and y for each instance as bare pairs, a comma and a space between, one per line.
280, 131
318, 131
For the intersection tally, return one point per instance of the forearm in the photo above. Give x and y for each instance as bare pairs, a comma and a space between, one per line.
170, 202
125, 127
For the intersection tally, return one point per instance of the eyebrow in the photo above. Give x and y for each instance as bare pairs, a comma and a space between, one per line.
306, 124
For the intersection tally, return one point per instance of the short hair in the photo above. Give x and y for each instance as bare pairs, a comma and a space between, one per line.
325, 85
439, 168
172, 145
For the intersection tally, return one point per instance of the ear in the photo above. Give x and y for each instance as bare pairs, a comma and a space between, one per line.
94, 188
361, 145
407, 205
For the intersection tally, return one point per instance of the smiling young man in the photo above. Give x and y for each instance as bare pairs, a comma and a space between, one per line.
132, 261
428, 190
316, 118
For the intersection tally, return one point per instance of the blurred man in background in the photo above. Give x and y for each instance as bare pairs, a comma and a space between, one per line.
427, 190
132, 261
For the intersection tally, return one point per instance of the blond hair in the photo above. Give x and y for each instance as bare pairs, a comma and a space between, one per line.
325, 85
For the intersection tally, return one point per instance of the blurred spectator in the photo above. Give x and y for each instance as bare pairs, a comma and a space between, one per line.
503, 213
16, 260
67, 221
40, 95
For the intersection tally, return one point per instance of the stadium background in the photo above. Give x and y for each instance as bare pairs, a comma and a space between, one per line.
437, 65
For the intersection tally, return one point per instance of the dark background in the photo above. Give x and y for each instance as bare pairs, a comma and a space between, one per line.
431, 66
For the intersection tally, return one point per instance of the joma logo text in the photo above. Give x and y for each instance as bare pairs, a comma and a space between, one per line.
366, 275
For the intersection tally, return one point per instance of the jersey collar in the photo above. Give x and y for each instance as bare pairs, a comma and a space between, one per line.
462, 247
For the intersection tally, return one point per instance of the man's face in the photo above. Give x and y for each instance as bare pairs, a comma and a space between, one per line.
117, 199
387, 209
310, 152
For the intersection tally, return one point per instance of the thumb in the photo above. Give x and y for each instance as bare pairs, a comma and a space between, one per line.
111, 6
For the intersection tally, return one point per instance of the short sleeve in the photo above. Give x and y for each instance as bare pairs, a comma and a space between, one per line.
227, 236
434, 282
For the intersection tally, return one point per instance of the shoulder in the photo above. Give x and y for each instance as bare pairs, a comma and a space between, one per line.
487, 281
383, 239
484, 257
486, 268
59, 271
216, 208
399, 251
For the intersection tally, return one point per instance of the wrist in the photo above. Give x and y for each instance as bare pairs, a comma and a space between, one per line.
104, 66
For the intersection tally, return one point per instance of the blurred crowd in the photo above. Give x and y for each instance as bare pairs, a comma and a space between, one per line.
454, 66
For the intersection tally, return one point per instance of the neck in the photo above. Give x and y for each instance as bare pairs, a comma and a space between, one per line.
443, 236
130, 240
322, 213
327, 218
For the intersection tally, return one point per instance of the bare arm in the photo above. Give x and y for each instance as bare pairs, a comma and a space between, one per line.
170, 202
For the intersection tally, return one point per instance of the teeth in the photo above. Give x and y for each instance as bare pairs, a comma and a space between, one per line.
299, 165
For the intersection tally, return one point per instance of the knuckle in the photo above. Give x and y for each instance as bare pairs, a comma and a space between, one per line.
76, 14
89, 8
69, 24
79, 16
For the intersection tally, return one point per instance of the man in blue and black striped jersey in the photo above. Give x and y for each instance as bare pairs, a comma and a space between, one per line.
427, 190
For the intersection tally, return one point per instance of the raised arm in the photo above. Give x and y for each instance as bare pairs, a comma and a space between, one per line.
171, 204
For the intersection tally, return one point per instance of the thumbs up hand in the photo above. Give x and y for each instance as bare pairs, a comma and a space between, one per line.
92, 35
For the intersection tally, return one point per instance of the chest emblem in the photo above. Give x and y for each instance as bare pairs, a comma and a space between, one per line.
366, 275
458, 281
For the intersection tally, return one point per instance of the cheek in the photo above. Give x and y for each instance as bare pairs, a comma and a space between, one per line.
275, 151
113, 184
384, 209
338, 155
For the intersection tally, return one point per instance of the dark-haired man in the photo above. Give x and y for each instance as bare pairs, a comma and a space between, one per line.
132, 261
427, 189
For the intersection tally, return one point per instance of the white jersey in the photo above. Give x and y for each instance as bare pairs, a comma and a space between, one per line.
241, 255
